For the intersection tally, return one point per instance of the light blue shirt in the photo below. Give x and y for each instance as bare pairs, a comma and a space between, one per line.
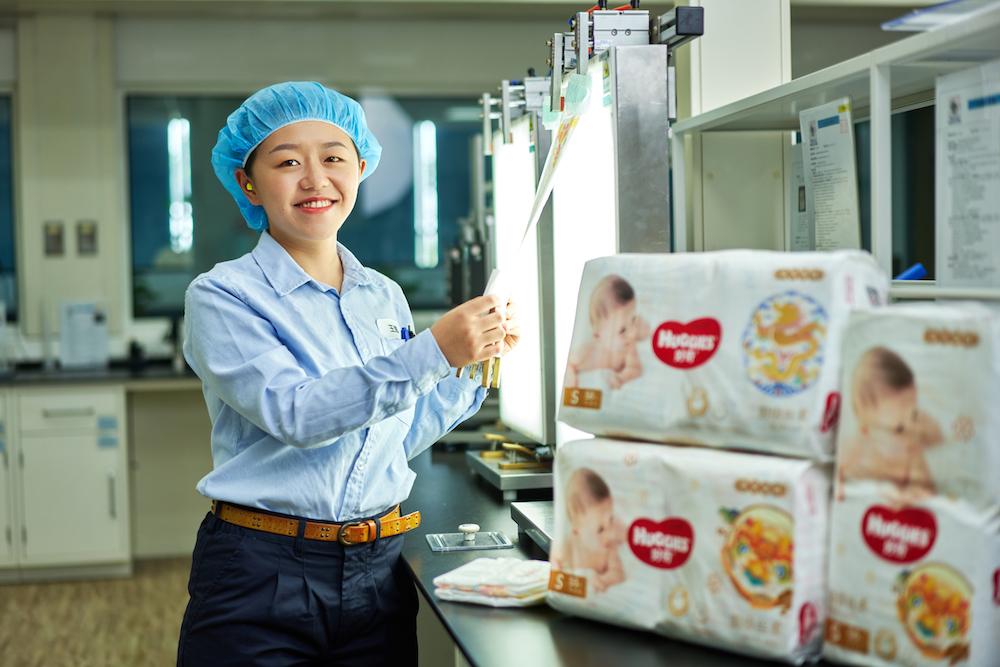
314, 411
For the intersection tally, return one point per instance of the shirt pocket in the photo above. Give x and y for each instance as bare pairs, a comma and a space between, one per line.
390, 345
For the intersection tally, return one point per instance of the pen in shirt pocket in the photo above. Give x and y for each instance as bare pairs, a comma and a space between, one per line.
406, 333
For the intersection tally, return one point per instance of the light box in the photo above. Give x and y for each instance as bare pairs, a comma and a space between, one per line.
583, 222
523, 406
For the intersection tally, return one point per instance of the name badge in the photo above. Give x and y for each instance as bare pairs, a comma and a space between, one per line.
388, 328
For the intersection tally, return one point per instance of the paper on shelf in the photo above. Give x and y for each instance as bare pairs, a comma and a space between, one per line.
831, 174
967, 176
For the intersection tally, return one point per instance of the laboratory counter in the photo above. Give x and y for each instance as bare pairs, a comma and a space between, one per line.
151, 376
447, 495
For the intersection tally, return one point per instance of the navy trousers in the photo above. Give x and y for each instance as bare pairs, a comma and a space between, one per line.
270, 600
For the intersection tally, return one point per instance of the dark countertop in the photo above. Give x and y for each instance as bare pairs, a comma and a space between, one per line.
151, 372
447, 494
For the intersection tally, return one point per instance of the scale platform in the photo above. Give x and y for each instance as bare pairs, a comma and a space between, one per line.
508, 481
535, 520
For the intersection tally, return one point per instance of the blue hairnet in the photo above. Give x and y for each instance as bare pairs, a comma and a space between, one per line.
274, 107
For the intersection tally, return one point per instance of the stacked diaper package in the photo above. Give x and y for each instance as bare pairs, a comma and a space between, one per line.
723, 548
915, 522
735, 350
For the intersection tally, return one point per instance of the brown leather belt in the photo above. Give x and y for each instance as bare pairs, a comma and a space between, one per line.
352, 532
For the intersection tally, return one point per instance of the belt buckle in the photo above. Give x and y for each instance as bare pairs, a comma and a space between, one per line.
342, 535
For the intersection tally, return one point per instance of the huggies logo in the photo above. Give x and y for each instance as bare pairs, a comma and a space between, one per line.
799, 274
665, 544
946, 337
687, 345
902, 536
762, 488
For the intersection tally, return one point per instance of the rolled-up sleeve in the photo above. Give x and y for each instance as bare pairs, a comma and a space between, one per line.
238, 355
446, 406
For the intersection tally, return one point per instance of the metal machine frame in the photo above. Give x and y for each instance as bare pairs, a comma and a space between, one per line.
635, 77
633, 53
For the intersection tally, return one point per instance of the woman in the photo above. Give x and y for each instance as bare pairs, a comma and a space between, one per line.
317, 400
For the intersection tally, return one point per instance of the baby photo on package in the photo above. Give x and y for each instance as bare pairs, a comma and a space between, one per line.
919, 419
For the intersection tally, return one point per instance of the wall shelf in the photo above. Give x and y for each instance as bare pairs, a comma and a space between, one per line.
915, 63
927, 289
893, 77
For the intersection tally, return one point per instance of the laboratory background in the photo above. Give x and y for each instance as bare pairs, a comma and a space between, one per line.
755, 248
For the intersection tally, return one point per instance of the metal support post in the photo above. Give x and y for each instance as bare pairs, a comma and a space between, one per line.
679, 217
642, 174
582, 41
881, 167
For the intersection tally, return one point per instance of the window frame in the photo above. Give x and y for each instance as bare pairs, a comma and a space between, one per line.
8, 90
154, 322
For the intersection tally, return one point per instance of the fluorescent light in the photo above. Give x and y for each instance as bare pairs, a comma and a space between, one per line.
179, 162
425, 195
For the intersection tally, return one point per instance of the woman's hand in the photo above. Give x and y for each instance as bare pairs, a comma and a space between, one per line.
513, 327
473, 331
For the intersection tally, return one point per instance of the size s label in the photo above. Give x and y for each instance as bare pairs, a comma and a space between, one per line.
846, 636
575, 397
567, 584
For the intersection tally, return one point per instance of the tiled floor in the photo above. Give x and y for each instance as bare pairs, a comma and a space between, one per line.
107, 623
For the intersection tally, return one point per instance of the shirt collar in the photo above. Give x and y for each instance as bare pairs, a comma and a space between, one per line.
285, 274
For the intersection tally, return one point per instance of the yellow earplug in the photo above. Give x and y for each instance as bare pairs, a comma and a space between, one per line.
249, 187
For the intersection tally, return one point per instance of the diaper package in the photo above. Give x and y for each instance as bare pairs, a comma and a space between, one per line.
736, 349
915, 546
721, 548
914, 585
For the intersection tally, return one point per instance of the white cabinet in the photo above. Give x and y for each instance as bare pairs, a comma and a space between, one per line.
70, 478
6, 490
73, 500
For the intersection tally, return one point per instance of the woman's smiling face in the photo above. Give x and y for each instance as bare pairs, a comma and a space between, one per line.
306, 176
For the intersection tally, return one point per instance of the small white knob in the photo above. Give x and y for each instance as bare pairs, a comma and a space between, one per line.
469, 530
